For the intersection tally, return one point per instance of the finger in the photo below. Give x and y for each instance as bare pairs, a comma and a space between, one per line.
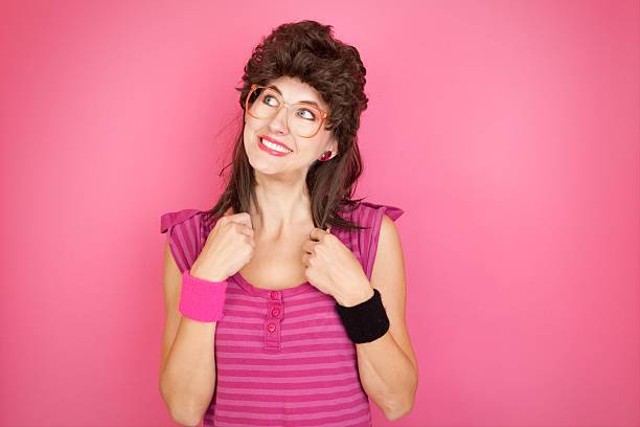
245, 230
329, 230
242, 218
316, 234
309, 246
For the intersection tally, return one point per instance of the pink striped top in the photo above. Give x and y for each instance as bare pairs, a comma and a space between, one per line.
283, 357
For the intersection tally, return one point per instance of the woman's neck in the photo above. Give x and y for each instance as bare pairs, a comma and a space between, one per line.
284, 207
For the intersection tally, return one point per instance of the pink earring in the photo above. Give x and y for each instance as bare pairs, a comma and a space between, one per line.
325, 156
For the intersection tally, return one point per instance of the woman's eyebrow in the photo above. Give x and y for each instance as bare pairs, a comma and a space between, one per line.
299, 102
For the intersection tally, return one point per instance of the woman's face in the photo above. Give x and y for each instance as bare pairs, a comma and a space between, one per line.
303, 152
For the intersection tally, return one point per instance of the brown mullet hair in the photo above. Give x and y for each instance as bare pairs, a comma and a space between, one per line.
307, 50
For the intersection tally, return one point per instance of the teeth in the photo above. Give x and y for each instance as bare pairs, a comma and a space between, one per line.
275, 146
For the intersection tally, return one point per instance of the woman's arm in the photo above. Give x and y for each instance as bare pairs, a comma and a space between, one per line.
187, 371
387, 366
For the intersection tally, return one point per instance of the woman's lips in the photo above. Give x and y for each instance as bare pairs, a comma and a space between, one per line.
275, 141
270, 150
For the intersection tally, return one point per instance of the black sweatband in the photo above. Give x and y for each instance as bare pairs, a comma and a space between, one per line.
366, 321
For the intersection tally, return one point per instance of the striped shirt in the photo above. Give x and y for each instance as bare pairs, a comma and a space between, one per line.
283, 357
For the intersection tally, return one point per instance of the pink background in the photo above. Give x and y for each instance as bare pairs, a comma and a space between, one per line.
508, 131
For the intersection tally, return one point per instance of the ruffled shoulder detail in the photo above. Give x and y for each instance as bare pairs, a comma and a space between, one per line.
392, 211
185, 234
170, 219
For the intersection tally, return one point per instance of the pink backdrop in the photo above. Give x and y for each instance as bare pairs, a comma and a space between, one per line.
508, 131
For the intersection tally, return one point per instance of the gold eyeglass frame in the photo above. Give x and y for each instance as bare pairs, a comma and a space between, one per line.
255, 86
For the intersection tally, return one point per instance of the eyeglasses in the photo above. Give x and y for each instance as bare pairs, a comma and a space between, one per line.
303, 119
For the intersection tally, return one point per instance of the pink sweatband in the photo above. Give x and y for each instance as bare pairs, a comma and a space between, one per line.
200, 299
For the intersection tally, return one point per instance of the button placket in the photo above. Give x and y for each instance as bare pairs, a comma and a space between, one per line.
272, 321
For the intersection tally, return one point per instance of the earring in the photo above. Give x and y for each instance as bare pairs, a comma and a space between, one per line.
325, 156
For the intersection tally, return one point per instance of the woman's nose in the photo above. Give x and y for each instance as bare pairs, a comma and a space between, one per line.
279, 121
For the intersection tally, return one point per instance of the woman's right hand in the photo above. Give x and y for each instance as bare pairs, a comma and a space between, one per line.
228, 248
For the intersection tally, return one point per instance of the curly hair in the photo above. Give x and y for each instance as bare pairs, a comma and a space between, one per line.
308, 50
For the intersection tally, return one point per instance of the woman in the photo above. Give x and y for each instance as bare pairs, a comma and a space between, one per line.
285, 303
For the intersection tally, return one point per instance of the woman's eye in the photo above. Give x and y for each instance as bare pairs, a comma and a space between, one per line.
306, 114
270, 100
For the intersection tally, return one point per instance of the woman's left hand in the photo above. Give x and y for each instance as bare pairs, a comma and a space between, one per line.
333, 269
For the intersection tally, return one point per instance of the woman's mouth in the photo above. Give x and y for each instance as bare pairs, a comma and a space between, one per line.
272, 148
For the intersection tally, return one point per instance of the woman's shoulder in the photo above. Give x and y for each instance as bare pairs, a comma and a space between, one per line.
186, 234
369, 215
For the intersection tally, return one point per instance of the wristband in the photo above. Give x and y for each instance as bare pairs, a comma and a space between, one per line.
200, 299
366, 321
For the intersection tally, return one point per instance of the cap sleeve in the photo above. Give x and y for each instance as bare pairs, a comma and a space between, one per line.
184, 234
371, 216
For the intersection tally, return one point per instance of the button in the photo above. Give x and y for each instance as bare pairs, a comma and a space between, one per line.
271, 327
274, 294
275, 312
